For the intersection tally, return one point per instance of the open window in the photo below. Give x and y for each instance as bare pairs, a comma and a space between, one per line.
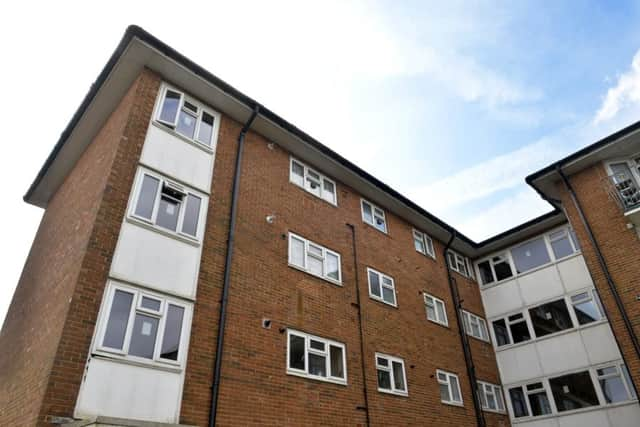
495, 269
391, 374
374, 216
314, 259
449, 388
381, 287
315, 357
313, 182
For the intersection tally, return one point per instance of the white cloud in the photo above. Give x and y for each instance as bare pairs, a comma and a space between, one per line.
625, 93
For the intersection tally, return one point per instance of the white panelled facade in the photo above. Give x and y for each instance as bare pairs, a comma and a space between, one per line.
553, 342
139, 350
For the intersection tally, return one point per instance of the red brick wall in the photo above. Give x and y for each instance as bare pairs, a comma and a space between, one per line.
50, 322
255, 388
620, 247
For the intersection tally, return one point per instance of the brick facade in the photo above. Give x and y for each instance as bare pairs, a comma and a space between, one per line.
620, 247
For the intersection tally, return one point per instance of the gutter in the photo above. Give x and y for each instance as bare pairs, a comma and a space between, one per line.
227, 267
466, 348
605, 270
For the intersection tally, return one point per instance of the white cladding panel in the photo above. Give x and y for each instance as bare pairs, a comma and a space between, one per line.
518, 364
549, 422
501, 299
574, 274
597, 418
157, 261
540, 285
600, 345
177, 158
624, 416
127, 391
561, 353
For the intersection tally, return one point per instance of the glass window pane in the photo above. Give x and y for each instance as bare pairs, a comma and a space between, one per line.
315, 250
539, 404
382, 361
296, 252
317, 345
440, 311
314, 265
418, 242
431, 312
206, 128
444, 393
398, 375
586, 311
573, 391
613, 389
388, 295
328, 191
530, 255
374, 284
367, 214
574, 239
118, 320
191, 215
481, 395
296, 352
500, 402
380, 224
500, 331
491, 401
518, 403
317, 365
169, 209
455, 389
147, 196
562, 247
486, 275
550, 318
333, 266
519, 332
143, 338
170, 106
150, 303
172, 332
429, 245
297, 173
503, 270
627, 379
337, 367
384, 379
186, 124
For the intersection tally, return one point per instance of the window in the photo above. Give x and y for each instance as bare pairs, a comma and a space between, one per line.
423, 243
490, 396
373, 215
391, 374
314, 259
435, 310
167, 205
530, 255
187, 117
573, 391
511, 330
145, 326
317, 358
495, 269
563, 243
312, 181
550, 318
475, 326
449, 388
530, 399
459, 263
587, 308
615, 383
381, 287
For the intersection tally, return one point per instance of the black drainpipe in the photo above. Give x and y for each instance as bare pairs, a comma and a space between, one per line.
362, 357
466, 348
227, 267
605, 269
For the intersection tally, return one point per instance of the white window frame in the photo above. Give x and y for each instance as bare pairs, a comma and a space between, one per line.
427, 242
625, 378
138, 293
592, 295
306, 255
447, 382
506, 256
151, 223
523, 386
327, 354
494, 390
430, 299
469, 319
389, 368
322, 180
380, 214
201, 108
381, 277
508, 323
566, 232
459, 260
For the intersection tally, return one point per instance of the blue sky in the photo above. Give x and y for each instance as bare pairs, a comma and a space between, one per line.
452, 103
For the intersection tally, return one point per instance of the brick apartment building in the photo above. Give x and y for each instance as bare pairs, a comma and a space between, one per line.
201, 261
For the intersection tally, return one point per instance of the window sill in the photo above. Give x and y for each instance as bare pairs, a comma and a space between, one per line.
444, 325
393, 393
315, 196
159, 230
431, 257
136, 361
326, 279
385, 233
573, 412
381, 301
317, 378
494, 411
482, 340
550, 336
456, 404
172, 132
